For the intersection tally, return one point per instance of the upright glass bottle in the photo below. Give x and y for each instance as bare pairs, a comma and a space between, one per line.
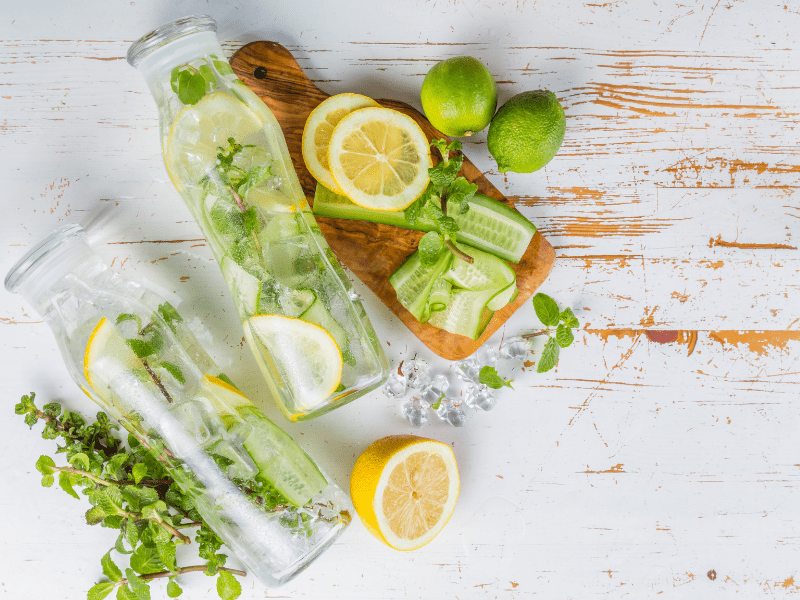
226, 155
132, 354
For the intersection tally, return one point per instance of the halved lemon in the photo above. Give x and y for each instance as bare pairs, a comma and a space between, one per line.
197, 132
379, 158
319, 128
405, 488
106, 357
306, 357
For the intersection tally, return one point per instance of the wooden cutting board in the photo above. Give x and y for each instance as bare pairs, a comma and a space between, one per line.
374, 251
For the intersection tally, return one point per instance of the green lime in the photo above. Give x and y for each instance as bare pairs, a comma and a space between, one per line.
459, 96
527, 132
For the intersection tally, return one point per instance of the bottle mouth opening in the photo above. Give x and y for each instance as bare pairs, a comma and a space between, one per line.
53, 245
167, 33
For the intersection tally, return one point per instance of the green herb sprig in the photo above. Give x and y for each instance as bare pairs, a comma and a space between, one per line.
129, 489
444, 187
552, 317
191, 82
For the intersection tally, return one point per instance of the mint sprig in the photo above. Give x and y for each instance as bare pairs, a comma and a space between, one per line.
129, 489
564, 322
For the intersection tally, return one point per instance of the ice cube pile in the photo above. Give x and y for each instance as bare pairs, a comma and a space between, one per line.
421, 392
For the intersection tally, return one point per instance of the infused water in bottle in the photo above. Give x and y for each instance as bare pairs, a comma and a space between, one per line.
226, 155
132, 353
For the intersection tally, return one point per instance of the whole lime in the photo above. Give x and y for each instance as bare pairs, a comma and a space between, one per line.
527, 131
459, 96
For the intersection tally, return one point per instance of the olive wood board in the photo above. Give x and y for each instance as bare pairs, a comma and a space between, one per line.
374, 251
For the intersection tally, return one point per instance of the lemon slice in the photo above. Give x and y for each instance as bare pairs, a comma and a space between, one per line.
225, 398
379, 158
318, 130
305, 356
405, 488
106, 357
197, 132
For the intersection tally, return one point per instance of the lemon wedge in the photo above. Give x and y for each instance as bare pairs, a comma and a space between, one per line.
319, 128
404, 489
305, 357
197, 132
379, 158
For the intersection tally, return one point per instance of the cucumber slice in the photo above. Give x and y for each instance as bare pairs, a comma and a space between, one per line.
440, 294
279, 459
319, 315
484, 273
466, 314
503, 297
489, 224
412, 282
245, 288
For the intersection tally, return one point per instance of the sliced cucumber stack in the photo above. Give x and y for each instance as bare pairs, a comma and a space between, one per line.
460, 298
488, 224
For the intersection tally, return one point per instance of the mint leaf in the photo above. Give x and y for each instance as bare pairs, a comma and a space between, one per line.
138, 586
430, 247
65, 481
460, 191
208, 75
130, 317
191, 87
110, 569
115, 464
488, 376
166, 552
564, 336
100, 590
438, 403
546, 309
173, 589
45, 465
80, 461
443, 175
569, 319
146, 560
125, 593
412, 212
549, 358
139, 471
228, 587
173, 370
141, 348
168, 312
95, 515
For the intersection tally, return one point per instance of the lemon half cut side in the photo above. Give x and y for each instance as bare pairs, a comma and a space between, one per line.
405, 488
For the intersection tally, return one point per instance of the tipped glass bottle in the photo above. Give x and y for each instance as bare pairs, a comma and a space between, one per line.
131, 352
226, 155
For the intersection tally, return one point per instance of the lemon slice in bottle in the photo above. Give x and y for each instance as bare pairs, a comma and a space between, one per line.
306, 357
405, 488
106, 357
199, 130
379, 158
319, 128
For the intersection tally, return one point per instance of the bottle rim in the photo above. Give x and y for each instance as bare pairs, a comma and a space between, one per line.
169, 32
55, 243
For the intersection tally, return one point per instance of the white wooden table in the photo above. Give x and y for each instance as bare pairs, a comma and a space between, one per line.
637, 468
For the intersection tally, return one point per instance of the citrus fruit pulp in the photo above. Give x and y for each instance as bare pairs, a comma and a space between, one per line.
379, 158
527, 132
106, 356
319, 128
405, 488
199, 130
459, 96
305, 356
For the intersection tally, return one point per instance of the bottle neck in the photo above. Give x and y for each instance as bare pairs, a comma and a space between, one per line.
158, 64
47, 263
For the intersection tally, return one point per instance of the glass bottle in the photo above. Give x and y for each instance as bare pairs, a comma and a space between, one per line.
131, 353
226, 155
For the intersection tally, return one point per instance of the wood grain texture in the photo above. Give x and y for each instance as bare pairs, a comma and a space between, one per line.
374, 251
